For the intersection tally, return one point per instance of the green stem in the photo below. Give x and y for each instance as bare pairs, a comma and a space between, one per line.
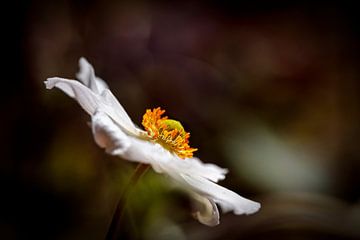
114, 228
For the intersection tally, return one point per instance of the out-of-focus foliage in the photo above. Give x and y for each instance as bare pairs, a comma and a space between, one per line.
268, 90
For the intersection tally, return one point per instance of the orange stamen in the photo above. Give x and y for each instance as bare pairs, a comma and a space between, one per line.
169, 133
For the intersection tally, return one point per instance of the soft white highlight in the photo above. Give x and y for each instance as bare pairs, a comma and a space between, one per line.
114, 131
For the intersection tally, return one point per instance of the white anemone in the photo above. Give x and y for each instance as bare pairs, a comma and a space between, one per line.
113, 130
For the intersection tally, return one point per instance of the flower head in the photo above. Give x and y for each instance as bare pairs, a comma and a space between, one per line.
164, 145
167, 132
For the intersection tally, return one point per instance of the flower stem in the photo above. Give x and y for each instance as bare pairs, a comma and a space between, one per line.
113, 231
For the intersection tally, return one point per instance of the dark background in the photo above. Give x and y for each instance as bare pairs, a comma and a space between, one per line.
268, 89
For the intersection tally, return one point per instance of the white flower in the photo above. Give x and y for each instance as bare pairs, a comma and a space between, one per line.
169, 153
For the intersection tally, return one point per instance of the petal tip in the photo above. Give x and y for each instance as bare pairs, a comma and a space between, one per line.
82, 61
49, 83
252, 208
256, 207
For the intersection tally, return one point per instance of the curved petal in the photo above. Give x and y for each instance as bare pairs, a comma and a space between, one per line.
191, 174
194, 166
107, 135
87, 99
90, 101
120, 113
206, 210
165, 162
147, 152
227, 199
87, 76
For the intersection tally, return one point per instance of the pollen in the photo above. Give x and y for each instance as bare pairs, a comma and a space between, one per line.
167, 132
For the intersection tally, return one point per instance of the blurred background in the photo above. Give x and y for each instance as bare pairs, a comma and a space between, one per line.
268, 89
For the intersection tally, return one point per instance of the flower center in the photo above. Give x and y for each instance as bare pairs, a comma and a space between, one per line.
167, 132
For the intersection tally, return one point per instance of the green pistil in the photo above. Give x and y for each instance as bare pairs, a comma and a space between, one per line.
173, 124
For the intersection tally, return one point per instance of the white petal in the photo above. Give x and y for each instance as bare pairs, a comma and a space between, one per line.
98, 86
227, 199
191, 174
108, 135
194, 166
169, 163
120, 113
87, 76
88, 100
206, 210
165, 162
147, 152
91, 101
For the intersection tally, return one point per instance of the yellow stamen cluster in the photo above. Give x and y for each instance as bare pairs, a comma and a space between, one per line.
167, 132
